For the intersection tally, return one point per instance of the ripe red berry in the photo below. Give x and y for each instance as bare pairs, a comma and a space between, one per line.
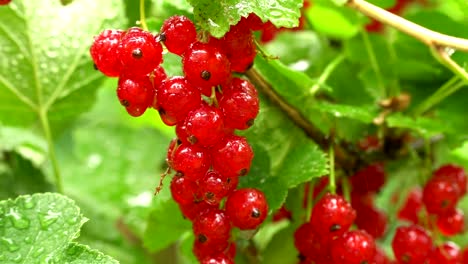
205, 66
192, 210
369, 179
253, 21
440, 195
451, 223
204, 126
176, 97
177, 33
204, 250
135, 94
184, 190
455, 173
371, 220
239, 108
104, 52
411, 244
281, 214
4, 2
410, 210
212, 226
157, 76
353, 247
309, 243
214, 187
232, 156
380, 257
220, 258
247, 208
191, 161
139, 52
332, 215
465, 256
447, 253
239, 85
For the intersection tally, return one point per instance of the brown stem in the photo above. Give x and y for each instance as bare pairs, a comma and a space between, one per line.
297, 117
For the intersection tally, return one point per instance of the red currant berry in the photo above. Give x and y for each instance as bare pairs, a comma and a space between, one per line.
309, 243
332, 215
411, 244
192, 210
380, 257
4, 2
139, 52
371, 220
369, 179
191, 161
369, 144
451, 223
231, 252
184, 190
157, 77
212, 226
253, 21
205, 250
177, 33
232, 156
217, 259
455, 173
214, 188
410, 210
231, 184
465, 256
239, 108
205, 66
447, 253
247, 208
238, 85
440, 195
204, 126
176, 97
353, 247
282, 213
135, 94
104, 52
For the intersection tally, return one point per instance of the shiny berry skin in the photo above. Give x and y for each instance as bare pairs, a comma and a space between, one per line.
465, 256
253, 21
205, 250
157, 76
247, 208
139, 52
369, 179
214, 187
204, 126
239, 85
440, 195
447, 253
309, 243
220, 258
455, 173
239, 108
411, 244
451, 223
413, 204
206, 66
184, 190
332, 215
177, 33
176, 97
191, 161
192, 210
380, 257
232, 156
353, 247
211, 226
135, 94
281, 214
104, 52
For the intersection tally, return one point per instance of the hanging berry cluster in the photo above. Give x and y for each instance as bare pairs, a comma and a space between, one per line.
206, 106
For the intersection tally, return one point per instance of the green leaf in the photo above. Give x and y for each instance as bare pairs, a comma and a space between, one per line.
281, 249
363, 114
346, 22
424, 126
49, 69
40, 228
217, 16
19, 175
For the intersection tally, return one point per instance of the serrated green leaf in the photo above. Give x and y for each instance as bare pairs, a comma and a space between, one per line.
81, 254
39, 229
217, 16
281, 250
49, 69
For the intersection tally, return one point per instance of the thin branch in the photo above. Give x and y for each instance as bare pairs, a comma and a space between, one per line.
427, 36
444, 58
297, 117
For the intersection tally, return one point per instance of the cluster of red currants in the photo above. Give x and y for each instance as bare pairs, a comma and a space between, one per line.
206, 105
431, 212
